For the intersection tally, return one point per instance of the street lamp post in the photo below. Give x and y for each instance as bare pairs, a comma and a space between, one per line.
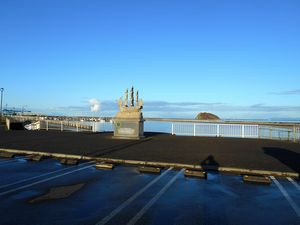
1, 89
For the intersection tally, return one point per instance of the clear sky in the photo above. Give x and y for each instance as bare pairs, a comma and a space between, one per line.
238, 59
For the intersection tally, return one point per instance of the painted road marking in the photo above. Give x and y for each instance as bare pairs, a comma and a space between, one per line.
131, 199
45, 174
11, 161
6, 163
286, 195
45, 180
294, 183
153, 200
5, 160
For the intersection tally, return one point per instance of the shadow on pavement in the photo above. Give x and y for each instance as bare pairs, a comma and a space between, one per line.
129, 143
287, 157
210, 163
153, 134
116, 148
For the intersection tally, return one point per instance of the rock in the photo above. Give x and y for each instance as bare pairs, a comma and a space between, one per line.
207, 116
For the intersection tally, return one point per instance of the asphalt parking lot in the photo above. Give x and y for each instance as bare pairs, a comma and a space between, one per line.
47, 192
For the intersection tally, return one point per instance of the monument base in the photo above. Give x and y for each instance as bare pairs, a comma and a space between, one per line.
125, 128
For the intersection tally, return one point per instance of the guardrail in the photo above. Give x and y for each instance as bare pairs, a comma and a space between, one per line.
280, 133
236, 130
216, 130
64, 125
42, 124
76, 126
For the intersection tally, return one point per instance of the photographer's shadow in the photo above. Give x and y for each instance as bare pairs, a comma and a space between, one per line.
210, 163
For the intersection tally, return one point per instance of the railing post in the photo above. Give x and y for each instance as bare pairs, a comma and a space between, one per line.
218, 130
77, 127
47, 125
61, 126
243, 131
7, 123
172, 128
271, 133
194, 129
295, 133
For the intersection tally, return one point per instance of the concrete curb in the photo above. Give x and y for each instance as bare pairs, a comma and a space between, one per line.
157, 164
257, 179
195, 173
104, 166
149, 169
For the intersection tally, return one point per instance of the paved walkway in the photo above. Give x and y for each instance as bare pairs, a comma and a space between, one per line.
226, 152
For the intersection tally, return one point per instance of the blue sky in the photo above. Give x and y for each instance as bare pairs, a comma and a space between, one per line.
238, 59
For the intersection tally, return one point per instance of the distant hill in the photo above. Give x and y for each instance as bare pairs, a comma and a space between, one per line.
207, 116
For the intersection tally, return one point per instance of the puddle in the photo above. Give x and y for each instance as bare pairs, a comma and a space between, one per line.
58, 193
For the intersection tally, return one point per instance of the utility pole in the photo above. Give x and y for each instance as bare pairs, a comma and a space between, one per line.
1, 89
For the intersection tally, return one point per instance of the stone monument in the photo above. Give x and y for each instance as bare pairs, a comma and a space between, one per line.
129, 122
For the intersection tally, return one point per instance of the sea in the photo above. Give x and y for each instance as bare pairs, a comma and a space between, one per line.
149, 126
166, 127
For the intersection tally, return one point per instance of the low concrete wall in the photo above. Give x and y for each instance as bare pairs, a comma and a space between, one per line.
12, 124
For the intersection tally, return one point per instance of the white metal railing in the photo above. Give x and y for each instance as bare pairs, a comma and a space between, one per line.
64, 125
215, 130
76, 126
280, 133
237, 130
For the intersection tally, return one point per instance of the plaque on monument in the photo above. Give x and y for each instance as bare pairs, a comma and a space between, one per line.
129, 122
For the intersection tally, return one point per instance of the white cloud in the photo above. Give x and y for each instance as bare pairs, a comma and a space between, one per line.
290, 92
94, 105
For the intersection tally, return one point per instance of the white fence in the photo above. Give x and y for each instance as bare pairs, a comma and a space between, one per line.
76, 126
237, 130
215, 130
280, 133
64, 126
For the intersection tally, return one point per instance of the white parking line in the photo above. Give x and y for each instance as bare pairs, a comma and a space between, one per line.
44, 174
11, 161
287, 196
294, 183
5, 160
42, 181
131, 199
153, 200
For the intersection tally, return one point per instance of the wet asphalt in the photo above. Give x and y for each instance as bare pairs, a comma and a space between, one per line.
125, 196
